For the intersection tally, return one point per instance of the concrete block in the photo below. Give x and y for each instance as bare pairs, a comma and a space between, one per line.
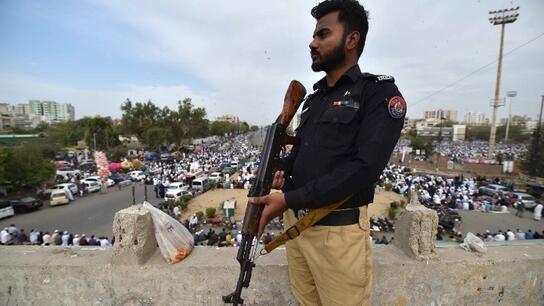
415, 230
134, 236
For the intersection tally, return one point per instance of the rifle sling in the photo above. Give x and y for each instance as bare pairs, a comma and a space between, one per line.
310, 219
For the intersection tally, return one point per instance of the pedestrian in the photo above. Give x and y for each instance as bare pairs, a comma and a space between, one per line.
520, 207
348, 130
537, 213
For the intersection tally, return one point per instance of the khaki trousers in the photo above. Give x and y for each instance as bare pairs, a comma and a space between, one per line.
330, 265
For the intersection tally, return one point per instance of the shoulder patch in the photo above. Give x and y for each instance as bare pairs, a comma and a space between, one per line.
383, 78
396, 107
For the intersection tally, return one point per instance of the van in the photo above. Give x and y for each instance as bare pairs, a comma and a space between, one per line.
201, 184
6, 210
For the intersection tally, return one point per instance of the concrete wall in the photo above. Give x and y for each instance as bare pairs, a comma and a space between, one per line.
506, 275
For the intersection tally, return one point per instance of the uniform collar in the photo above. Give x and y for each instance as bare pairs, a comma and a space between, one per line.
352, 74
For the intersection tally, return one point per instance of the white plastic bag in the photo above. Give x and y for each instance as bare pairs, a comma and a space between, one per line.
175, 241
473, 243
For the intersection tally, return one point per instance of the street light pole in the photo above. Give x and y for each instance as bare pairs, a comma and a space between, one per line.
510, 94
500, 17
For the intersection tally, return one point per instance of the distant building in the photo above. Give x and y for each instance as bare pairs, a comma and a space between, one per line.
228, 118
410, 124
441, 114
475, 118
294, 122
51, 111
459, 132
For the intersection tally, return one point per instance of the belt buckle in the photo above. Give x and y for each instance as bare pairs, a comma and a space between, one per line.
301, 213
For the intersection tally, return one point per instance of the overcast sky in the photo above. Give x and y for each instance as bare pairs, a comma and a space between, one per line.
239, 56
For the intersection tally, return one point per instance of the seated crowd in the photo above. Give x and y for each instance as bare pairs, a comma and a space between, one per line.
14, 236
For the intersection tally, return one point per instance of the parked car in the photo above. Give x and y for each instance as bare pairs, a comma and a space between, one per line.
73, 188
6, 210
178, 186
119, 177
176, 194
492, 189
58, 197
91, 186
25, 204
98, 180
215, 176
136, 175
527, 199
201, 184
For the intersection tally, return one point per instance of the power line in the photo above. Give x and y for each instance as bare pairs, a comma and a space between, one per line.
476, 71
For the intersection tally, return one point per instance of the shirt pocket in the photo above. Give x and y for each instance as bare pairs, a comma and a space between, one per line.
337, 128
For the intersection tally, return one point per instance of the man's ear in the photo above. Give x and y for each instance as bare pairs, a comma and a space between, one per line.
352, 41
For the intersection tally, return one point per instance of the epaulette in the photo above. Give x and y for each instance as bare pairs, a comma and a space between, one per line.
379, 77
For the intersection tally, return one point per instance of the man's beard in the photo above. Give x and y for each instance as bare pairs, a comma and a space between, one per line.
327, 62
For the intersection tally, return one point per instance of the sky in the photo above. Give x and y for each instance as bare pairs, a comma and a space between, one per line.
238, 57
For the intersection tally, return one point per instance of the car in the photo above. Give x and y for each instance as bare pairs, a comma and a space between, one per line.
136, 175
527, 199
97, 179
119, 177
91, 186
228, 170
201, 184
177, 186
6, 210
492, 189
58, 197
73, 188
174, 195
25, 204
215, 177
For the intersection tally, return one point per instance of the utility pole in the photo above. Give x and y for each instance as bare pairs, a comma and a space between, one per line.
510, 94
500, 17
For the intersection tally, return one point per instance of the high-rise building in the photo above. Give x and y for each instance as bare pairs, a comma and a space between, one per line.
441, 114
475, 118
51, 111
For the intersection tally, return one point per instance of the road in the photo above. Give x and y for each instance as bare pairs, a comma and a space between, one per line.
479, 222
90, 215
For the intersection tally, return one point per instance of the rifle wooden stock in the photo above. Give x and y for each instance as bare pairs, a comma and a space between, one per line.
293, 98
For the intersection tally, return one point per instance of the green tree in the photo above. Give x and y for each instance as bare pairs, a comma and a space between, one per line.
100, 130
422, 143
534, 163
26, 166
156, 136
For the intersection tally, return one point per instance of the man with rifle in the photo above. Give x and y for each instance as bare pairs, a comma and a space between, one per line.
349, 128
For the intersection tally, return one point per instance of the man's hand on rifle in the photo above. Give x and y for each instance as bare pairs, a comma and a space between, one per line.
274, 203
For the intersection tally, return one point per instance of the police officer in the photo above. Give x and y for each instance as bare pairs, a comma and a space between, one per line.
349, 127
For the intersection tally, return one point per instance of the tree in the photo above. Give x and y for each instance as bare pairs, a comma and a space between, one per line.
100, 130
156, 136
26, 166
534, 163
422, 143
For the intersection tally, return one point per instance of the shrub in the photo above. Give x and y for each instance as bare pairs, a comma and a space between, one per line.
394, 205
388, 186
182, 204
200, 215
212, 185
186, 197
392, 213
210, 212
402, 203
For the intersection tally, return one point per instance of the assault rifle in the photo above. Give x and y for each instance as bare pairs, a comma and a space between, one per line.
276, 139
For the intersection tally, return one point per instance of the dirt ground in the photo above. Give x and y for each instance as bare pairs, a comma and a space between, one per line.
215, 198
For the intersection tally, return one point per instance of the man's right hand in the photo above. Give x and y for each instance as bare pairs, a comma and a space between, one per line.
279, 180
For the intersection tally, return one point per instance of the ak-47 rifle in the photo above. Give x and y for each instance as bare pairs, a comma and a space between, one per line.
276, 139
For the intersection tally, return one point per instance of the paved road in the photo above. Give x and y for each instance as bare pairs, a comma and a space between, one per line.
92, 214
478, 222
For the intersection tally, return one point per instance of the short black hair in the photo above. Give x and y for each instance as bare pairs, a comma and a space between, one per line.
351, 13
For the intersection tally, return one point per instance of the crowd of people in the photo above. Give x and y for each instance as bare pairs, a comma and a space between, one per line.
15, 236
510, 235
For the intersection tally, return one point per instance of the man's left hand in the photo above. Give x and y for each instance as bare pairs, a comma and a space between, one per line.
274, 206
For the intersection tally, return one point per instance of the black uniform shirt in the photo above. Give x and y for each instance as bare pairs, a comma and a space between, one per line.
346, 136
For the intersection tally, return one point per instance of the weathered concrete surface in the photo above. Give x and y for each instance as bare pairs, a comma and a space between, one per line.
415, 230
135, 240
506, 275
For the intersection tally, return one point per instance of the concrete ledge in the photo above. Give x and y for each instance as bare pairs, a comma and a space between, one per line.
506, 275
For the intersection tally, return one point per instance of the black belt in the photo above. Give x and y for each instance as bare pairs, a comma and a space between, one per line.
340, 217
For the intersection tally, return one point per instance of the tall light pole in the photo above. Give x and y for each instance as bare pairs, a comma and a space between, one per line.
500, 17
509, 94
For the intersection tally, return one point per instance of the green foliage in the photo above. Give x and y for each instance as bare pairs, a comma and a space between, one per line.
210, 212
26, 165
534, 162
388, 186
118, 152
200, 215
66, 133
100, 129
481, 132
392, 213
422, 143
254, 128
212, 185
394, 205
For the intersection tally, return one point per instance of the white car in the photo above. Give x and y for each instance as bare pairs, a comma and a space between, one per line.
73, 188
215, 176
98, 179
136, 175
176, 194
91, 187
58, 197
527, 199
177, 186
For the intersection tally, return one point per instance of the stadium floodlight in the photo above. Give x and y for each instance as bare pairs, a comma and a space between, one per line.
499, 17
